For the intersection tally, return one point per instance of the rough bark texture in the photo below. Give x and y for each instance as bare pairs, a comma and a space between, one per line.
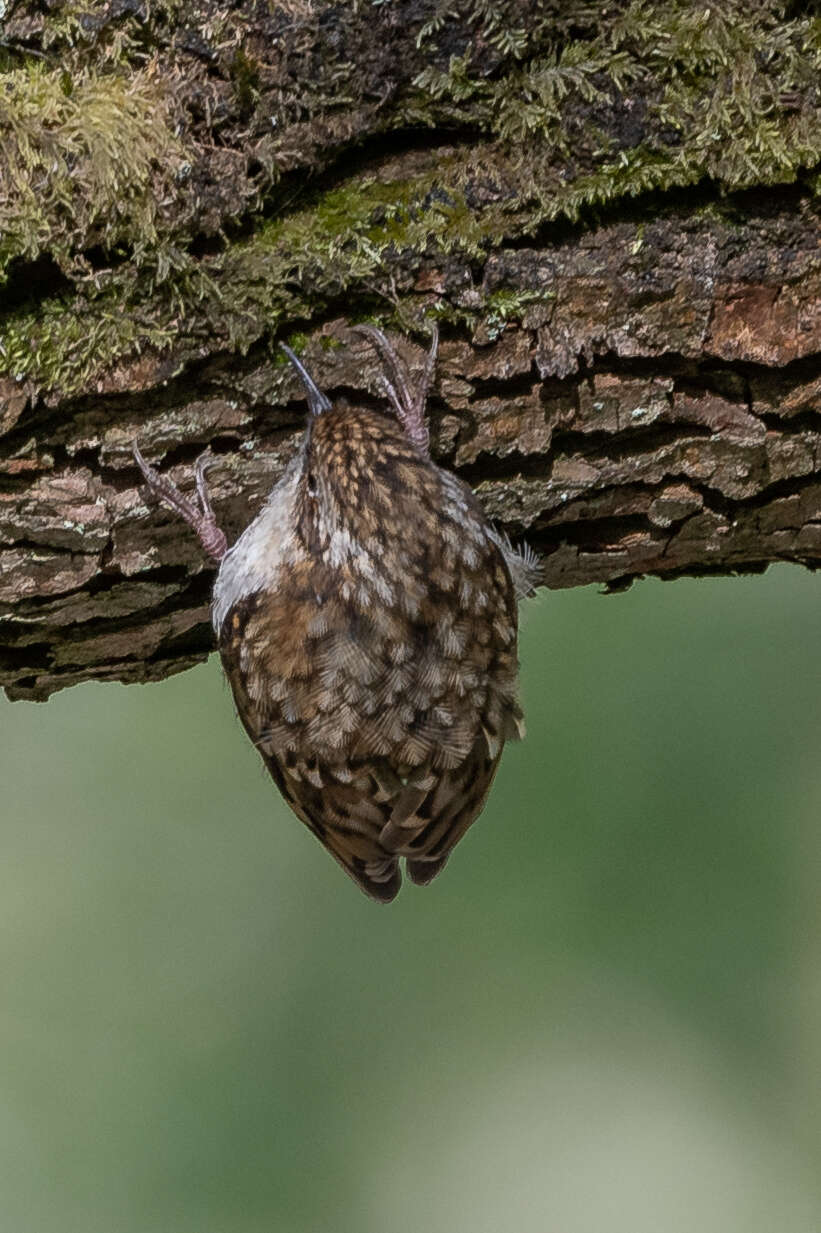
631, 357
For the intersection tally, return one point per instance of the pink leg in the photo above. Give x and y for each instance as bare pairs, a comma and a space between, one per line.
409, 404
202, 520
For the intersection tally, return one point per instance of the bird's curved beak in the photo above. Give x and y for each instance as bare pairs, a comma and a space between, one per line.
317, 401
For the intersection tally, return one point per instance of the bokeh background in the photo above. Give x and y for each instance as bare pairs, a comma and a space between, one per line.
606, 1014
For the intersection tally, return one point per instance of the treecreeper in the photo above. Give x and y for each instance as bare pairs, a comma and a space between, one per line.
367, 623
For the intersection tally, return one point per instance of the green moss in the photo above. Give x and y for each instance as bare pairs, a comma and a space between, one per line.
504, 306
289, 269
61, 347
726, 91
345, 238
577, 111
348, 237
84, 160
297, 342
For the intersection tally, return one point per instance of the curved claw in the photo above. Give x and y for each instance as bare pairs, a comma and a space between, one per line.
202, 520
408, 404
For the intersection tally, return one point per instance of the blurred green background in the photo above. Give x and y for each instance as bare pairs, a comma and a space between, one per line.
605, 1015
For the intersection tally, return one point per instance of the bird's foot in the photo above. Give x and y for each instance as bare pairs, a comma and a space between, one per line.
201, 519
407, 402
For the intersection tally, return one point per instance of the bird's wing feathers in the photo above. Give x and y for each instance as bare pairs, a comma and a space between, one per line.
317, 797
353, 712
367, 831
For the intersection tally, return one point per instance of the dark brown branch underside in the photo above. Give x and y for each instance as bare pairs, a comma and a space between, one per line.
649, 406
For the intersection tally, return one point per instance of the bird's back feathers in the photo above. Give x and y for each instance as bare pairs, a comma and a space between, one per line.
378, 677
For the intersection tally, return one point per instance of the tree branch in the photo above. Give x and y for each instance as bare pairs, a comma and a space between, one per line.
634, 393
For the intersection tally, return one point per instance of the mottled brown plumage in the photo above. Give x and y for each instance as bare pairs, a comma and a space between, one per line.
367, 624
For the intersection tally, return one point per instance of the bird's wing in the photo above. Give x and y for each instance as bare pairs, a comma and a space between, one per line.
382, 733
316, 796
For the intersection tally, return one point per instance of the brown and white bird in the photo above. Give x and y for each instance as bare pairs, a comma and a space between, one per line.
367, 623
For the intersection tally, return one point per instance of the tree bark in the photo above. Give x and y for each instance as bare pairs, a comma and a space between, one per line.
628, 295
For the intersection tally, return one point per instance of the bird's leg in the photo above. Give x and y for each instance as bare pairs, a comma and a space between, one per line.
203, 519
409, 404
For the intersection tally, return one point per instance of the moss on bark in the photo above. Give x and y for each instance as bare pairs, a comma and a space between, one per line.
153, 155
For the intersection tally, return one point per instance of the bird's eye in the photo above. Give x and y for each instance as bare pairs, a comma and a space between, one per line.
311, 484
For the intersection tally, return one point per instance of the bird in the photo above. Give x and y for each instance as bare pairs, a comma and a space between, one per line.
366, 619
